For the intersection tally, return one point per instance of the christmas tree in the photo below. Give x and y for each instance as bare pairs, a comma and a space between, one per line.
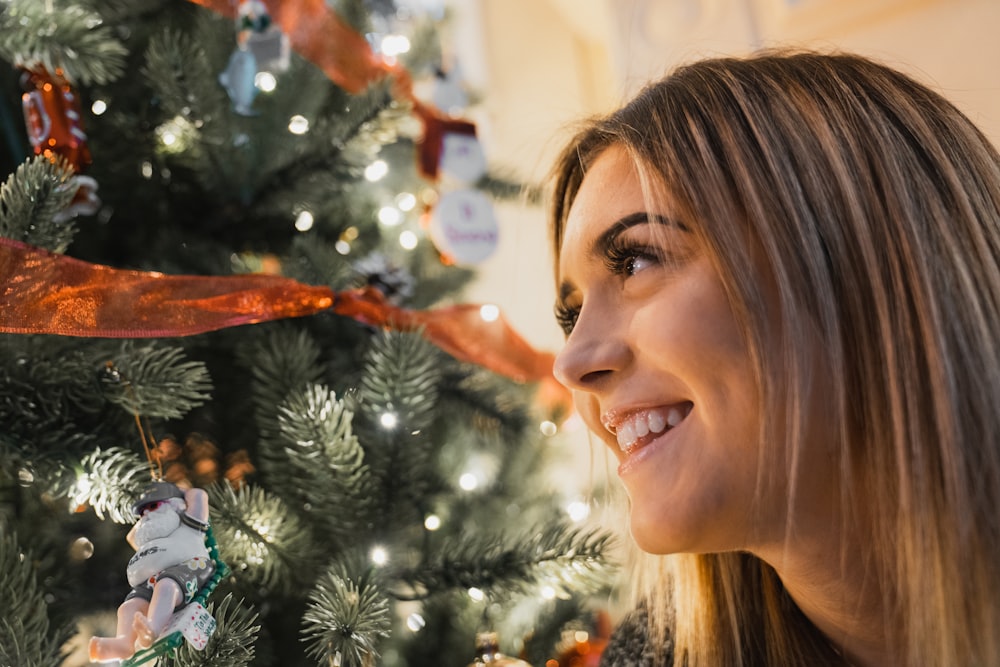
375, 483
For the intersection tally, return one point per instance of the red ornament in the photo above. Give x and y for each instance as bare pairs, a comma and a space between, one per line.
53, 118
584, 649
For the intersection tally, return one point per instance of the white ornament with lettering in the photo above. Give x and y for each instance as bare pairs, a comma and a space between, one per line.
464, 226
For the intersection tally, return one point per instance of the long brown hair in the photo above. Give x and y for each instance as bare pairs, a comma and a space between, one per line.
875, 206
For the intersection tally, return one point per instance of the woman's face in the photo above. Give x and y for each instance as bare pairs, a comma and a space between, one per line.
658, 367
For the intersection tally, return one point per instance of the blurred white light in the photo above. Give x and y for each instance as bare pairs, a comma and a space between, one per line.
489, 312
415, 622
168, 138
390, 216
388, 420
265, 81
432, 522
376, 170
581, 636
468, 481
406, 201
548, 593
548, 428
578, 510
380, 556
298, 124
476, 594
98, 107
304, 221
408, 240
343, 247
393, 45
147, 169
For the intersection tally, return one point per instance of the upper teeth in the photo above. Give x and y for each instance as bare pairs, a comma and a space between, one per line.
643, 423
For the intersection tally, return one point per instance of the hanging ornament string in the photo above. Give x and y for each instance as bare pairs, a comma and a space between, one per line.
155, 464
46, 293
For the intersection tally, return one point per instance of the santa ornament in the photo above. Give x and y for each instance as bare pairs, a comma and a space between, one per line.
175, 567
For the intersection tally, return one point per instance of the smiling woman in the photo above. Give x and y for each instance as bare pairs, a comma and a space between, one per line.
779, 279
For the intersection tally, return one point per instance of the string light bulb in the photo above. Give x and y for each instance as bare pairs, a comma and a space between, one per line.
468, 482
489, 312
376, 171
379, 556
298, 124
408, 240
304, 221
265, 82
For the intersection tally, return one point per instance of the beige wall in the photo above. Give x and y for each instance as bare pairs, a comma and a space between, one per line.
540, 64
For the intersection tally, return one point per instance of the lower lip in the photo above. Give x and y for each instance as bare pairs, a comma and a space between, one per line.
636, 457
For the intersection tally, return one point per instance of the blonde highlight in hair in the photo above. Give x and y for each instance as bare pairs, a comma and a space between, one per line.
875, 206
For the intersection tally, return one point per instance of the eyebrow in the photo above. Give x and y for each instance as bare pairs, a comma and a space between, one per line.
600, 245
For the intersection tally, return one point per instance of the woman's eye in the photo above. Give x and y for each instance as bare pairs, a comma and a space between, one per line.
628, 260
566, 317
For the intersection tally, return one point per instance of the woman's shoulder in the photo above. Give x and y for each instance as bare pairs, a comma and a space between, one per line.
630, 644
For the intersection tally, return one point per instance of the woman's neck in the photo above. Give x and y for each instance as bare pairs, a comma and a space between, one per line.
831, 577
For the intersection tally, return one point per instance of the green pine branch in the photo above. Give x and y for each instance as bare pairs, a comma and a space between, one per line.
30, 200
398, 402
494, 403
61, 34
260, 539
154, 380
232, 643
280, 359
26, 639
562, 557
193, 107
324, 454
402, 374
347, 615
110, 481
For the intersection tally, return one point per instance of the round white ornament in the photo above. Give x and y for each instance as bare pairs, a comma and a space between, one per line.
462, 158
464, 227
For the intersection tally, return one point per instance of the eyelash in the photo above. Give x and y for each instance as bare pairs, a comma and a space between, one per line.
620, 261
566, 317
621, 255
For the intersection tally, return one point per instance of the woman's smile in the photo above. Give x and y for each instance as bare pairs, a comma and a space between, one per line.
634, 429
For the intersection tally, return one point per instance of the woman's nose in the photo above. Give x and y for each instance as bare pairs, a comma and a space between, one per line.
592, 354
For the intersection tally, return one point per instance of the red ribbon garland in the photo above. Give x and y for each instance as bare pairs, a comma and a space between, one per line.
46, 293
